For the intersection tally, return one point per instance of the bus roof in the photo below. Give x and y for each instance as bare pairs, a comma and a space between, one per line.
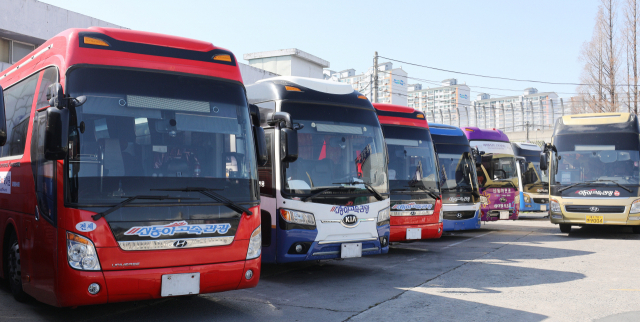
125, 48
522, 149
447, 134
308, 90
475, 133
597, 123
400, 115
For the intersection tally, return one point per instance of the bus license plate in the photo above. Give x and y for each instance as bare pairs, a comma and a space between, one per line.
504, 215
543, 207
414, 233
180, 284
595, 219
351, 250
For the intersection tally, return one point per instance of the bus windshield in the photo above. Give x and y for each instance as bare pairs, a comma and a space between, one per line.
498, 164
411, 158
456, 167
142, 130
337, 145
609, 158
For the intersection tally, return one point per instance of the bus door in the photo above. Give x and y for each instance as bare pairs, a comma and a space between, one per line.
43, 256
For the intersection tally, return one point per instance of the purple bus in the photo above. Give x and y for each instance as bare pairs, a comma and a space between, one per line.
497, 176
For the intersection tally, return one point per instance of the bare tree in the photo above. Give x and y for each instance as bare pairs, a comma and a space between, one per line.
631, 37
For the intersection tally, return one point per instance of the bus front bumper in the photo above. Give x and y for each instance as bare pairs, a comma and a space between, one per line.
428, 231
144, 284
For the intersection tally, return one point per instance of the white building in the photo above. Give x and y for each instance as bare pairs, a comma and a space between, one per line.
539, 110
288, 62
392, 83
27, 24
445, 104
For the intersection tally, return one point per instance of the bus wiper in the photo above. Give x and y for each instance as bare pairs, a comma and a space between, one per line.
366, 185
305, 199
575, 184
131, 199
430, 192
216, 196
619, 185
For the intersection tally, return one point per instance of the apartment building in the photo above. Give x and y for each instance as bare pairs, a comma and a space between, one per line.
538, 109
447, 103
392, 83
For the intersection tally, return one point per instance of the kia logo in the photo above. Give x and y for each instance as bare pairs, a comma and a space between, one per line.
180, 243
594, 209
350, 220
459, 215
503, 199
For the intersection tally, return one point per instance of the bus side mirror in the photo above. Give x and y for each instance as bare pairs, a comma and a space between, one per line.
55, 96
523, 168
477, 157
261, 145
544, 161
3, 120
54, 148
289, 145
254, 112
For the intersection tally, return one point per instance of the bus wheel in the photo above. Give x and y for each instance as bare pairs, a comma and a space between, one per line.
635, 229
12, 258
565, 228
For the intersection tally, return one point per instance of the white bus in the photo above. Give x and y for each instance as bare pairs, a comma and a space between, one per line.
324, 189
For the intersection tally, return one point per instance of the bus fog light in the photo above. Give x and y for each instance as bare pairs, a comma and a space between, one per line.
255, 244
299, 248
248, 274
635, 207
94, 288
556, 216
384, 241
81, 253
634, 218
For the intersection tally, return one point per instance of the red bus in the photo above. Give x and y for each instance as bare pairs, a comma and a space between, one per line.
414, 176
129, 170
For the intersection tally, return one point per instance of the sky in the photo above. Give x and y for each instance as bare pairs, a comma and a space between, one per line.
532, 40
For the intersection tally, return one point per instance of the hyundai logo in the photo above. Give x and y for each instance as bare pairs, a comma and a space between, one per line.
180, 243
350, 220
503, 199
594, 209
459, 215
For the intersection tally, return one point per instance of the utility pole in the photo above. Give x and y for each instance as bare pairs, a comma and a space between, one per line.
375, 78
527, 123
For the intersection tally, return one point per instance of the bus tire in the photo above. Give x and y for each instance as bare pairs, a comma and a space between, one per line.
635, 229
565, 228
12, 268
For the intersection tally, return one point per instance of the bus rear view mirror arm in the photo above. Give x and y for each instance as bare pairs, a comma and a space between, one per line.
280, 117
3, 121
55, 96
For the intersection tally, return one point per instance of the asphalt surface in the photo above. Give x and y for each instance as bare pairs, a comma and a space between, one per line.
523, 270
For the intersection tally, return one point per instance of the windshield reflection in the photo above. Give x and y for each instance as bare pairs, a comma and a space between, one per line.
592, 163
411, 158
498, 170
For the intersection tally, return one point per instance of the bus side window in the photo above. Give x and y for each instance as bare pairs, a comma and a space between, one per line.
18, 103
266, 172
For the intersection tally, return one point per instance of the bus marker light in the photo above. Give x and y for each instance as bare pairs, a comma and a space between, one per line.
224, 57
362, 97
95, 41
94, 288
292, 89
420, 116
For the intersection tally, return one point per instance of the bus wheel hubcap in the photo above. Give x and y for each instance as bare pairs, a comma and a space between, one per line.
14, 263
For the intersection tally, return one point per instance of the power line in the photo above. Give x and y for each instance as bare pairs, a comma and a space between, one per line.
494, 77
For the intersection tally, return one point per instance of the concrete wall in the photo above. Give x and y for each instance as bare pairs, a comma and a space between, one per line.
304, 68
34, 22
280, 65
251, 75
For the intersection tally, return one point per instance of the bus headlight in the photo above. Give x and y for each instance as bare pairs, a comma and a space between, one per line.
441, 215
635, 207
297, 217
554, 205
255, 244
81, 253
383, 216
526, 197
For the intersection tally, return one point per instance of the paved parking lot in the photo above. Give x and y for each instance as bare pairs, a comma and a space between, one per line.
523, 270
